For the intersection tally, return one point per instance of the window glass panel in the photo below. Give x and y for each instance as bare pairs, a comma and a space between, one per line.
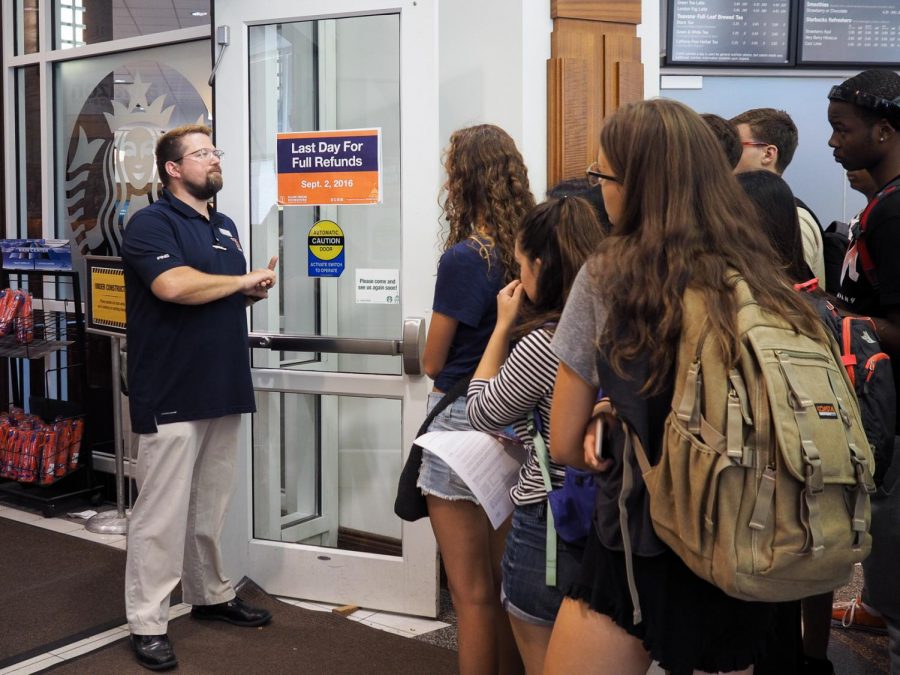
110, 110
26, 24
87, 22
325, 471
333, 74
29, 134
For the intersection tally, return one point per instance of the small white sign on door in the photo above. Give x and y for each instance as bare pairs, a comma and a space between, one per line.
377, 287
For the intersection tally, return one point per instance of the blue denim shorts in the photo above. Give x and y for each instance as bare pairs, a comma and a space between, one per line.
435, 477
524, 593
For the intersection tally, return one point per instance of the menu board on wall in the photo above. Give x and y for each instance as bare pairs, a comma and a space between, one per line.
729, 32
849, 32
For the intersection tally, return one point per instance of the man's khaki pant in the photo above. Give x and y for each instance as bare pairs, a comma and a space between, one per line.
185, 475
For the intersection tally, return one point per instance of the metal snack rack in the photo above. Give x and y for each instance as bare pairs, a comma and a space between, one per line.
59, 334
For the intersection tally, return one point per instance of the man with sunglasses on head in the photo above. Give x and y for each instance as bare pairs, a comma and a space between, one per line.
769, 140
864, 114
187, 290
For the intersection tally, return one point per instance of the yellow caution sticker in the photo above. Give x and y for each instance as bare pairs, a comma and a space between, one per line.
326, 249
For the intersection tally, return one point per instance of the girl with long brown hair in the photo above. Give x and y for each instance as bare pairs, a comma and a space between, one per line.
487, 194
680, 220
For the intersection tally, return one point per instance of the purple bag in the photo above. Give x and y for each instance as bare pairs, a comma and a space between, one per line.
572, 505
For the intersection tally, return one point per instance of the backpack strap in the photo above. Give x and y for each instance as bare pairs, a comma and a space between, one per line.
804, 408
807, 286
865, 483
540, 448
848, 358
634, 447
865, 257
689, 408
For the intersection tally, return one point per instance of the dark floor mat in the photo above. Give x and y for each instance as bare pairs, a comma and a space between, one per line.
855, 652
297, 641
55, 589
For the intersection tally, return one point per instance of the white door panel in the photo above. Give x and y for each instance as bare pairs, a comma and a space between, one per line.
313, 514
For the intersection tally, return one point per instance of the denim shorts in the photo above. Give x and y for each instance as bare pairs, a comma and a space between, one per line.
435, 477
524, 593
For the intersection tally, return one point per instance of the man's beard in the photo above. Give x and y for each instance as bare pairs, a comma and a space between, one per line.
208, 189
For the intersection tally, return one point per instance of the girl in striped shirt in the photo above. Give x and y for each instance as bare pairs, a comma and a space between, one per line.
555, 238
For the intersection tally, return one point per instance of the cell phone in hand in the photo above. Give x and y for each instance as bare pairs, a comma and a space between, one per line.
598, 440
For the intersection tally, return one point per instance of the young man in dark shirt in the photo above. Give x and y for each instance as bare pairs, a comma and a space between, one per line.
868, 137
864, 114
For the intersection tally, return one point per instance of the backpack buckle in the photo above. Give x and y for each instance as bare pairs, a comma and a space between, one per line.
863, 475
814, 481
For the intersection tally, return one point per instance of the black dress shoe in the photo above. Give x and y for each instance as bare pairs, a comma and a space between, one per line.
234, 611
154, 651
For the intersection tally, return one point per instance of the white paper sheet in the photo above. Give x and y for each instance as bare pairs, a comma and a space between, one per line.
490, 468
85, 515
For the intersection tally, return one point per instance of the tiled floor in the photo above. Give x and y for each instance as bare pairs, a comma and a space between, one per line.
407, 626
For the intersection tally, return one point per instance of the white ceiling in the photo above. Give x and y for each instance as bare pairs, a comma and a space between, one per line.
142, 17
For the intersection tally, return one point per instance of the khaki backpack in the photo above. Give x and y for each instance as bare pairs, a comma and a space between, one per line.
764, 479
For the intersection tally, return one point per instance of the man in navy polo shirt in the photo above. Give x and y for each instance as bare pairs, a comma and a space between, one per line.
187, 289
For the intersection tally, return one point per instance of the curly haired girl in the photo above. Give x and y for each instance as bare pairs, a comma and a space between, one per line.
487, 194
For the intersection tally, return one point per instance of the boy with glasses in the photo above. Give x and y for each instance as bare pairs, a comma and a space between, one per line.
769, 140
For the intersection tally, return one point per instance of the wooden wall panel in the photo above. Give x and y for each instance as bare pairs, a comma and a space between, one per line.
583, 41
617, 49
619, 11
567, 120
593, 43
631, 82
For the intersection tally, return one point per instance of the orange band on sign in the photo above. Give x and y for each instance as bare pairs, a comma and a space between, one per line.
329, 167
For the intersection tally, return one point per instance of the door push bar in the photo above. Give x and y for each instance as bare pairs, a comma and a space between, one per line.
411, 346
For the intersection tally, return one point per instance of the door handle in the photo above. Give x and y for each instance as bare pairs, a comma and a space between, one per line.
413, 344
411, 347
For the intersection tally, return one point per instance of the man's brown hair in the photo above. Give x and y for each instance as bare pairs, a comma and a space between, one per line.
169, 147
774, 127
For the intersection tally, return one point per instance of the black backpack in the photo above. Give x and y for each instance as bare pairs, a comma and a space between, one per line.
869, 369
835, 241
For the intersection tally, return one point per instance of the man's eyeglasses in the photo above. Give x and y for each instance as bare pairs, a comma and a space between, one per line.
751, 144
595, 177
855, 97
203, 154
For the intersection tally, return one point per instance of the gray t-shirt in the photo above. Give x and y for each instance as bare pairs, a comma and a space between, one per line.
575, 343
575, 340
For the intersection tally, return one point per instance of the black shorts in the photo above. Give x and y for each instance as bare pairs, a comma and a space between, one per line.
687, 623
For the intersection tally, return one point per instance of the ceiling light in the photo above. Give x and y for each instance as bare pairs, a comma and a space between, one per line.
199, 13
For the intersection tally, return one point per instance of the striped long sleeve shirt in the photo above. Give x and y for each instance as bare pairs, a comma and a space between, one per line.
524, 382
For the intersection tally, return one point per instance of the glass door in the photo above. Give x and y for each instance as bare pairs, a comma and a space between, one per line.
320, 171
